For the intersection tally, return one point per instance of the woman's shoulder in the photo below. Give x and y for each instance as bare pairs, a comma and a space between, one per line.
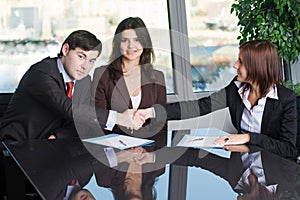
284, 92
100, 73
233, 84
102, 69
159, 76
157, 73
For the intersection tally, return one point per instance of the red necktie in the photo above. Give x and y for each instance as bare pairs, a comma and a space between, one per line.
69, 89
73, 182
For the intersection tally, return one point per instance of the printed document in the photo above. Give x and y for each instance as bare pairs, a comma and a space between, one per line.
203, 138
119, 141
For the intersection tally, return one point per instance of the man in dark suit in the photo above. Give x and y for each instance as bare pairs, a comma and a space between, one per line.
41, 108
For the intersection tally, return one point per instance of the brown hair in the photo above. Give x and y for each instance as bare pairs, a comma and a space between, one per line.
262, 63
147, 56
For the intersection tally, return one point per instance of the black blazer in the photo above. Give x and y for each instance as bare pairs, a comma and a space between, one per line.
279, 122
40, 106
113, 95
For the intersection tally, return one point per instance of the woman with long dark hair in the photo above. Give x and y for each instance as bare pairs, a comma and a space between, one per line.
129, 80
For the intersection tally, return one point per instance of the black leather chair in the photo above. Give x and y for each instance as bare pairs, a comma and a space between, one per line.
13, 184
4, 100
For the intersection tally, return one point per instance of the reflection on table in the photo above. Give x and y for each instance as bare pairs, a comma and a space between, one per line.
60, 168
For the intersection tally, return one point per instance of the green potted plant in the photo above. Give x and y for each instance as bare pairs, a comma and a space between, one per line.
274, 20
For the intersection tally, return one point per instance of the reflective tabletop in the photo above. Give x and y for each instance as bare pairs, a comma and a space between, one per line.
62, 169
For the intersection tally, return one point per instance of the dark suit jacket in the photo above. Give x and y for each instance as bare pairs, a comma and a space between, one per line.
113, 94
279, 122
40, 106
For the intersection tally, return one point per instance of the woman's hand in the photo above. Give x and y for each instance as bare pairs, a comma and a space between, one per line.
237, 148
232, 139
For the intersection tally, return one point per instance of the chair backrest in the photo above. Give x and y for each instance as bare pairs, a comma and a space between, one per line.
4, 100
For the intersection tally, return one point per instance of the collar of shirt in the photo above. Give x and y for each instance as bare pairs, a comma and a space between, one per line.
70, 188
271, 94
253, 161
252, 116
62, 70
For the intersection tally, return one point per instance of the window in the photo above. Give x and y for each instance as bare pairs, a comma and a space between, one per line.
213, 45
31, 30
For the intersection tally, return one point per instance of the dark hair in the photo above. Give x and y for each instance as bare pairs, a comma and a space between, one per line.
75, 191
147, 56
262, 63
147, 188
83, 40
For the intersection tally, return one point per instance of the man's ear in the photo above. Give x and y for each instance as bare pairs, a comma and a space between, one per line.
65, 49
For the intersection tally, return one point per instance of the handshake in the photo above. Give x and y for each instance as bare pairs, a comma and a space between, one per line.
134, 119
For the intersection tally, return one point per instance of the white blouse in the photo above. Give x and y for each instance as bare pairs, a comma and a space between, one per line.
136, 100
252, 117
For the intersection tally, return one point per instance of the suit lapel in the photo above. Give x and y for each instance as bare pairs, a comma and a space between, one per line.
147, 90
121, 91
267, 115
239, 112
52, 70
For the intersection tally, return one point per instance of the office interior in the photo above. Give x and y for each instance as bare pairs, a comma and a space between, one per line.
195, 43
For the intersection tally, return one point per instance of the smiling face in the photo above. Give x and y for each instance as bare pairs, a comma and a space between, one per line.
130, 47
241, 70
78, 63
132, 186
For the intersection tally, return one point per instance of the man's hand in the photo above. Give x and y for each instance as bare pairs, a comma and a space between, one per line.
130, 119
131, 155
146, 157
145, 113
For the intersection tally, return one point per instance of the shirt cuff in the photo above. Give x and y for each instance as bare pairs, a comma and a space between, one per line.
154, 157
153, 112
111, 120
111, 157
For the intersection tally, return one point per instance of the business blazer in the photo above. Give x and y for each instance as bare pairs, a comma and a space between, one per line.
279, 121
113, 94
40, 106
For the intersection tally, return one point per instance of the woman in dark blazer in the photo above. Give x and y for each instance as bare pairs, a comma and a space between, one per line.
261, 109
130, 81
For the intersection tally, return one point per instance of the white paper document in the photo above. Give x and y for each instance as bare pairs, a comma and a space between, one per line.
198, 141
203, 138
119, 141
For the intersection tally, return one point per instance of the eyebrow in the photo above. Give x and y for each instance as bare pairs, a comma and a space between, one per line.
129, 37
82, 52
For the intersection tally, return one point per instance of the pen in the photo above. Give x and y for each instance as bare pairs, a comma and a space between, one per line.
197, 139
122, 142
